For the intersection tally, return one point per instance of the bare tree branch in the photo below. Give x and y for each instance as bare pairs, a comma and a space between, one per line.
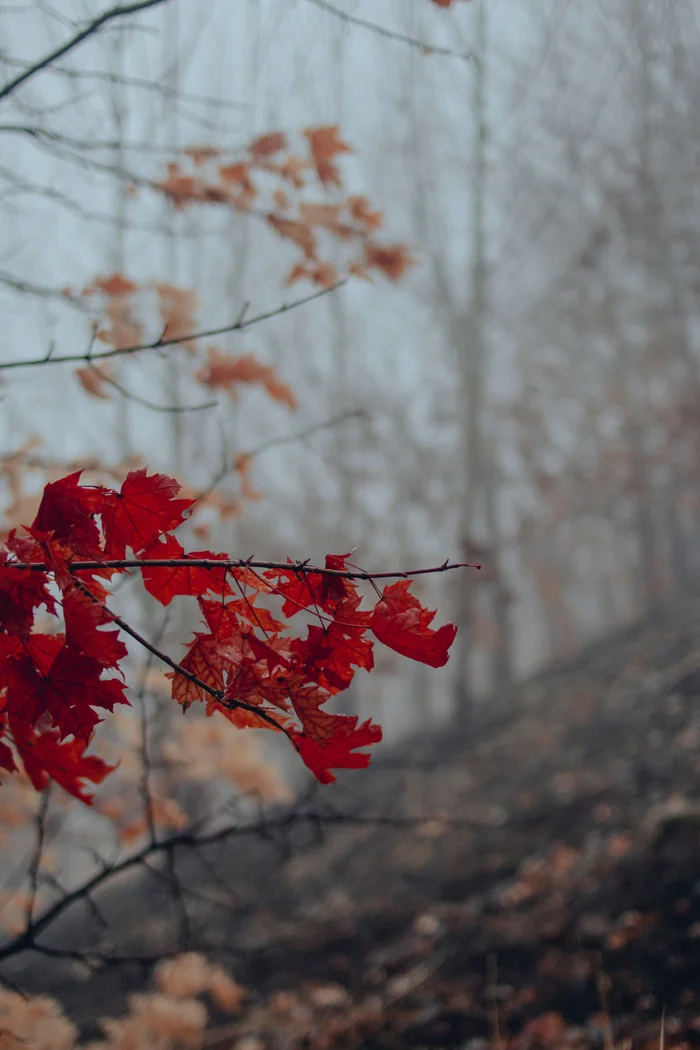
391, 34
241, 563
121, 11
238, 325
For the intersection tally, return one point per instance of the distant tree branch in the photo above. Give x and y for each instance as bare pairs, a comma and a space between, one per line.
129, 395
284, 440
192, 839
120, 11
391, 34
238, 325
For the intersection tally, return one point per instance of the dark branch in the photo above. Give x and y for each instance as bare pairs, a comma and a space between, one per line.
160, 343
190, 839
121, 11
241, 563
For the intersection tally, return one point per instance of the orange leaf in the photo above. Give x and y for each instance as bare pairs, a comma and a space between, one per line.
325, 145
362, 212
299, 232
392, 261
93, 380
267, 145
224, 372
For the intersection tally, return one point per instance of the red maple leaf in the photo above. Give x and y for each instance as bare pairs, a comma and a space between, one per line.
222, 617
44, 756
305, 590
403, 624
329, 654
68, 687
67, 513
144, 510
83, 616
165, 583
21, 592
340, 751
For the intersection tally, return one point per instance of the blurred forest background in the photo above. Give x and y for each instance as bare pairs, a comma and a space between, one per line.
526, 396
516, 385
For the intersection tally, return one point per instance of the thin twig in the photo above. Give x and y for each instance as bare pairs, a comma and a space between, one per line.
167, 90
391, 34
128, 395
239, 325
282, 439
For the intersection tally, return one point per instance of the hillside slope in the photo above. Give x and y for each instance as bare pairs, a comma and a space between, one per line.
534, 879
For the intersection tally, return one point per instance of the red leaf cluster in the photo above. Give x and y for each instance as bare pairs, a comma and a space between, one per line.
244, 664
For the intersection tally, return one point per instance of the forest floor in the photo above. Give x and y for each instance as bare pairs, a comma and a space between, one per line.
548, 895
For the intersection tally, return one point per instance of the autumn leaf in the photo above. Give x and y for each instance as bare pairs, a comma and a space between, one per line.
328, 216
340, 752
329, 654
299, 232
115, 284
144, 510
403, 624
362, 212
68, 690
302, 589
268, 145
223, 372
83, 616
167, 582
44, 757
325, 146
177, 308
245, 666
21, 592
392, 261
94, 379
67, 512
